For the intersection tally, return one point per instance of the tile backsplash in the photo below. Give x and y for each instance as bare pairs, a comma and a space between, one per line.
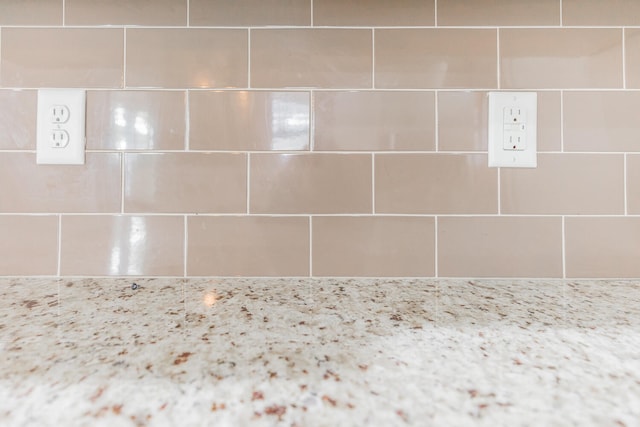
321, 138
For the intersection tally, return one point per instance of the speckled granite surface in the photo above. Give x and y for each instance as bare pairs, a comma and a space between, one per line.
319, 352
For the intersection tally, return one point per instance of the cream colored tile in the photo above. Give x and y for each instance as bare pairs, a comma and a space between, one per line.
602, 247
30, 245
338, 58
565, 184
185, 183
435, 184
18, 119
310, 183
500, 247
376, 121
633, 184
498, 12
241, 120
600, 12
40, 12
135, 120
632, 57
92, 187
186, 58
601, 121
62, 57
125, 12
561, 58
240, 13
373, 13
373, 246
549, 121
122, 245
248, 246
435, 58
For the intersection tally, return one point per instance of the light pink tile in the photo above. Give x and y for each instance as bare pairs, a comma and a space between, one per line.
498, 12
240, 13
30, 245
126, 12
632, 57
21, 12
373, 13
18, 119
633, 184
600, 12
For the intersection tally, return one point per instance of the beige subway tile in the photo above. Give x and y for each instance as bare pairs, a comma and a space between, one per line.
62, 57
122, 245
135, 120
435, 184
565, 184
632, 57
377, 121
185, 182
600, 12
18, 119
601, 121
338, 58
126, 12
373, 13
240, 120
561, 58
500, 247
240, 13
40, 12
30, 245
310, 183
602, 247
435, 58
92, 187
248, 246
498, 12
549, 121
186, 58
633, 184
373, 246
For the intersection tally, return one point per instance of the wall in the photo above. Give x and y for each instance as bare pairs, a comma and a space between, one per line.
321, 137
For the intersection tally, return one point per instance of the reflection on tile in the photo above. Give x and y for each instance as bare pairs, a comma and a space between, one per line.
600, 12
354, 121
241, 13
248, 246
373, 246
124, 12
435, 58
338, 58
498, 12
186, 58
249, 120
633, 184
135, 120
310, 183
41, 12
373, 13
62, 57
462, 121
122, 246
632, 57
185, 183
561, 58
30, 245
18, 119
30, 188
435, 183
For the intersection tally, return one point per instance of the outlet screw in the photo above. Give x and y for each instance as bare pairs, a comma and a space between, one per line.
134, 286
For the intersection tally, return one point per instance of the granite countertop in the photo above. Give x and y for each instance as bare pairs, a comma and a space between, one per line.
319, 352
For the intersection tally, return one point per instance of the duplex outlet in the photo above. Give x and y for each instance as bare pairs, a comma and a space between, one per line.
512, 129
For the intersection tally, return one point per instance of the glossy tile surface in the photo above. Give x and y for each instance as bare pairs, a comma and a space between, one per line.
373, 13
122, 246
18, 119
124, 12
61, 57
221, 13
500, 246
135, 120
633, 184
248, 246
435, 184
33, 235
181, 58
602, 247
30, 188
462, 121
41, 12
249, 120
594, 186
310, 183
632, 58
378, 121
435, 58
373, 246
185, 183
323, 58
561, 58
498, 12
600, 12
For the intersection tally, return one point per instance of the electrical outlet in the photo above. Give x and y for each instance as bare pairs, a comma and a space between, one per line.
512, 129
61, 126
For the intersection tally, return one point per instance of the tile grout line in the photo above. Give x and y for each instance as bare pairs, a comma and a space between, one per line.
186, 243
435, 270
310, 246
564, 252
58, 272
435, 13
561, 24
188, 13
624, 61
312, 13
187, 120
64, 12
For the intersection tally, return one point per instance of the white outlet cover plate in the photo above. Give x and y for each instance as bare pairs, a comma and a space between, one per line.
73, 153
498, 156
